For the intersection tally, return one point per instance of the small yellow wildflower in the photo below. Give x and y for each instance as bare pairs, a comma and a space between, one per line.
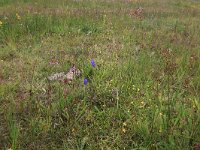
142, 104
10, 149
160, 114
124, 124
123, 130
18, 16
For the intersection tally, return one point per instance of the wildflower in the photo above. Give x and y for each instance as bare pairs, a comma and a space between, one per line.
142, 104
85, 81
93, 63
124, 124
18, 16
123, 130
10, 149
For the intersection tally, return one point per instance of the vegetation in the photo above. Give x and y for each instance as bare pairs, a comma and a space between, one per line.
143, 92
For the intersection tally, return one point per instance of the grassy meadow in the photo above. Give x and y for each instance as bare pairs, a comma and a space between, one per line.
143, 93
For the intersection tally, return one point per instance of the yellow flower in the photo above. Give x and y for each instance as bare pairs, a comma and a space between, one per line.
124, 124
18, 16
10, 149
123, 130
142, 104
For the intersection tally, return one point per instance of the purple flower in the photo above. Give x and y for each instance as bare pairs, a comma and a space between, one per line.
85, 81
93, 63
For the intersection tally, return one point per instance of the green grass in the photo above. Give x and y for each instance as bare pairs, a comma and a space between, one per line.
143, 94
